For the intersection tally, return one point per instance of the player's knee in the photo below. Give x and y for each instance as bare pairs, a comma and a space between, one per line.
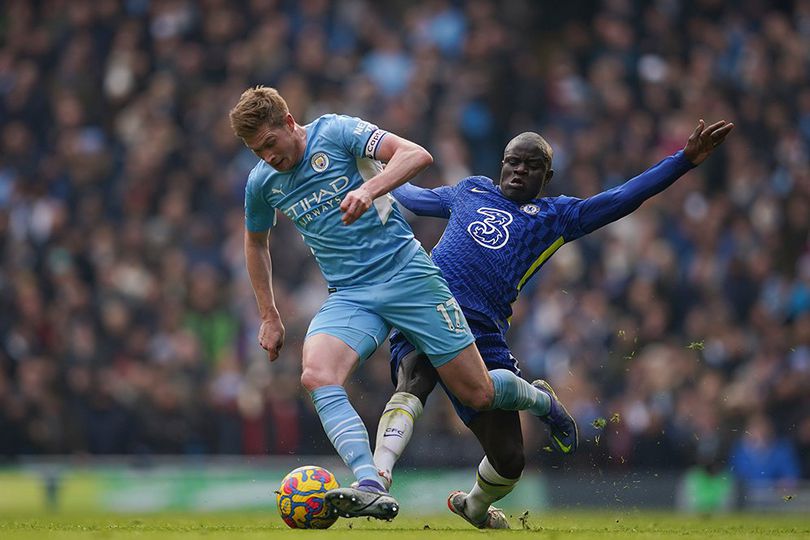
312, 378
417, 387
480, 397
416, 376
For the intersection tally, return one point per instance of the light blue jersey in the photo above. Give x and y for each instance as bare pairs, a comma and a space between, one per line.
339, 156
378, 274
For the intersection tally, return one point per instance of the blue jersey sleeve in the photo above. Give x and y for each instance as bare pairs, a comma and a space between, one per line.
358, 137
585, 216
259, 215
425, 202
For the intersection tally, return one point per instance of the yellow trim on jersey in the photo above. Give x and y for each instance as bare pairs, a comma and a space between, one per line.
540, 260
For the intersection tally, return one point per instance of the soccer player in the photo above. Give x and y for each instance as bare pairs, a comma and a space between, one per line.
497, 237
324, 176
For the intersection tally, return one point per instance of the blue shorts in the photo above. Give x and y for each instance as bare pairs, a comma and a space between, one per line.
417, 301
491, 344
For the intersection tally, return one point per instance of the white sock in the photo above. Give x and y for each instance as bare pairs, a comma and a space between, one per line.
395, 429
489, 487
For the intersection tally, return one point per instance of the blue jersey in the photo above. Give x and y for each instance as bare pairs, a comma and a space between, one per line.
492, 245
339, 157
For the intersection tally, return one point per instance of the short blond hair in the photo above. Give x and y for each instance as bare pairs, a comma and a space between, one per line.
258, 106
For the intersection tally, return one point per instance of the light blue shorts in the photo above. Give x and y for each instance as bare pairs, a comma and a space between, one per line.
416, 301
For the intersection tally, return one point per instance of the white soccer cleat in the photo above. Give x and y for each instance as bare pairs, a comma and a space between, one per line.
495, 518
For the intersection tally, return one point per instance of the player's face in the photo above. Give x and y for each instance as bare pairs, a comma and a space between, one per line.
524, 171
277, 146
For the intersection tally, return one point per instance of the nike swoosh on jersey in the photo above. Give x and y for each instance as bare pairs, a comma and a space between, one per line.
476, 190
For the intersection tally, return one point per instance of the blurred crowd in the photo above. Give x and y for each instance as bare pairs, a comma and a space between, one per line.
677, 336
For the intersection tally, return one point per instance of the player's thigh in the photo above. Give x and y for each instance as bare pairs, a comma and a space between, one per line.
418, 302
345, 318
327, 360
501, 437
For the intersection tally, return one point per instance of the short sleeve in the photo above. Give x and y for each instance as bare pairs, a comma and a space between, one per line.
259, 214
359, 138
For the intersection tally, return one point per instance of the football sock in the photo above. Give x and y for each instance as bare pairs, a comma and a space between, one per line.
489, 487
395, 429
513, 393
346, 431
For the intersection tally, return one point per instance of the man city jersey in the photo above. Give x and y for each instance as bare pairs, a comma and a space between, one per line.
339, 157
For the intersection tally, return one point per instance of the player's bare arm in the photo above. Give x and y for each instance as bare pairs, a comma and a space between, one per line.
704, 139
259, 266
404, 160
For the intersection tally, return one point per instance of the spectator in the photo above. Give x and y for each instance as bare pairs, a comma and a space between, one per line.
760, 459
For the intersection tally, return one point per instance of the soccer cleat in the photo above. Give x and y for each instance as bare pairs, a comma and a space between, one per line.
564, 436
367, 499
495, 518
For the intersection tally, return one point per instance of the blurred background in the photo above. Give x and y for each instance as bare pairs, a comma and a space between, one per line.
679, 337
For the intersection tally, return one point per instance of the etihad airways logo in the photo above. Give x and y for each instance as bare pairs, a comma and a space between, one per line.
318, 202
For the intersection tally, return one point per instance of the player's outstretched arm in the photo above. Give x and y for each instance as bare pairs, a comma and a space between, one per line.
421, 201
259, 267
404, 159
614, 204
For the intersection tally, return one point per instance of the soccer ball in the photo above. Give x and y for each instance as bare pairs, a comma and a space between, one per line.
300, 498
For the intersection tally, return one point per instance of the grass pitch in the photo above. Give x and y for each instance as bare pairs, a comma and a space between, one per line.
560, 524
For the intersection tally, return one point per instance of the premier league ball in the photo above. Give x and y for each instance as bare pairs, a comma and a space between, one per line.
300, 498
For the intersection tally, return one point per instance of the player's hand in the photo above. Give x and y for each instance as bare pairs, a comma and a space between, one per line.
355, 204
271, 337
705, 139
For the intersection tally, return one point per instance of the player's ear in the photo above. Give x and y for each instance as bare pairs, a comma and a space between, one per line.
289, 121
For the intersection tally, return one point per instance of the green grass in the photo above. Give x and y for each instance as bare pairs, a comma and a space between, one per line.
560, 524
